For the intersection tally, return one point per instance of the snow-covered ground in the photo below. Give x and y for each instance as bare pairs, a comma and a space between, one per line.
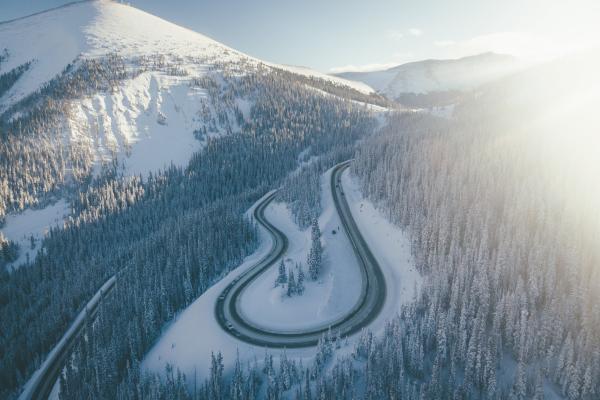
324, 301
189, 339
57, 37
94, 29
391, 248
187, 342
19, 228
148, 122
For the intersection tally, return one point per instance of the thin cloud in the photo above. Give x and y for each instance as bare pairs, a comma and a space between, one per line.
415, 32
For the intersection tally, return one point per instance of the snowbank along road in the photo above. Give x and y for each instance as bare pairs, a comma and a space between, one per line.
367, 307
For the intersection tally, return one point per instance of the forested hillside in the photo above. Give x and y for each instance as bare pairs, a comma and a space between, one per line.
511, 275
503, 224
168, 237
152, 142
504, 228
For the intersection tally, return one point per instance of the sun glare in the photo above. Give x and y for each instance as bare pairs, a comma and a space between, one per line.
564, 133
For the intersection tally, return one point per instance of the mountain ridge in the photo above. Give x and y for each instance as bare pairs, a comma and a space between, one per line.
434, 75
56, 37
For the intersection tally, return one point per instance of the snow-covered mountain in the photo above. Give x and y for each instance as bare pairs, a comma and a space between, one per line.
436, 75
97, 85
150, 116
90, 29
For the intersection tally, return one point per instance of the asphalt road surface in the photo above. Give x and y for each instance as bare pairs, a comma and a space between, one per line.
365, 310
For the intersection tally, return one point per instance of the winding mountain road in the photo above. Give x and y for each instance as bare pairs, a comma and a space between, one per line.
365, 310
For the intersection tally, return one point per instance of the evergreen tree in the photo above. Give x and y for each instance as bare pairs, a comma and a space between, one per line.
314, 260
281, 275
300, 282
237, 382
187, 287
291, 284
307, 390
216, 377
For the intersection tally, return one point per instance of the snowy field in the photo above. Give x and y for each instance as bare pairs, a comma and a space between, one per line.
187, 342
324, 301
32, 223
390, 246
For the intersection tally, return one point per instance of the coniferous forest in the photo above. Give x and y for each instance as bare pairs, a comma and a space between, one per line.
495, 188
167, 237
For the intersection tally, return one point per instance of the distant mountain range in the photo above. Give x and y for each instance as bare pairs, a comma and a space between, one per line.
427, 76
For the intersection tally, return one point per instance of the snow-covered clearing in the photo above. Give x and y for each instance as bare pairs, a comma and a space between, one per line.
187, 342
324, 301
19, 228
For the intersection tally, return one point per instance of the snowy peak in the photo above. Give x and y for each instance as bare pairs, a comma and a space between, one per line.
436, 75
53, 39
96, 28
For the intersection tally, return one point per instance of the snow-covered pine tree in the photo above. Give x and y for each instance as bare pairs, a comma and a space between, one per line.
314, 260
281, 276
291, 284
236, 388
187, 287
216, 376
300, 283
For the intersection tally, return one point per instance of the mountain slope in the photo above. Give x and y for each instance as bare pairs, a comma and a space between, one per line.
436, 75
93, 29
125, 108
56, 38
97, 82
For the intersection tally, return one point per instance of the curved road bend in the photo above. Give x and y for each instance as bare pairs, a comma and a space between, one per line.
366, 309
